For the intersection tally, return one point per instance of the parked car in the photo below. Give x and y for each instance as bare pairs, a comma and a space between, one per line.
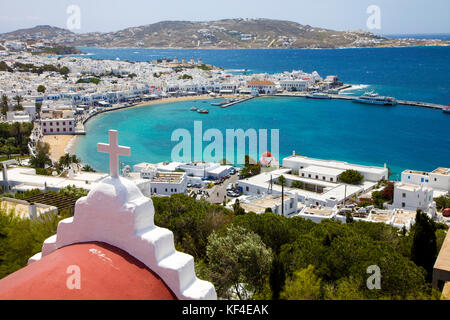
446, 212
230, 187
232, 194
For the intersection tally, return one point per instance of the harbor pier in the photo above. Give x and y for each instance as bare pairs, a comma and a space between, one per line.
342, 97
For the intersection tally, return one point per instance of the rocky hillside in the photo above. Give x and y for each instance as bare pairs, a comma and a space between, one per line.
229, 33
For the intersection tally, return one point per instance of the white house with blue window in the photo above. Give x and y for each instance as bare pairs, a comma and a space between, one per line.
417, 189
439, 179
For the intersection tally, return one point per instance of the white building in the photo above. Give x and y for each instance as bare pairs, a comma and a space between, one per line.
18, 116
262, 86
58, 126
301, 163
317, 182
412, 197
165, 183
299, 85
417, 189
259, 204
320, 173
205, 169
438, 179
58, 122
313, 192
146, 170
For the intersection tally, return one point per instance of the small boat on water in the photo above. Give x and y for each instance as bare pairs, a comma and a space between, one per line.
374, 98
203, 111
446, 110
318, 95
193, 109
219, 103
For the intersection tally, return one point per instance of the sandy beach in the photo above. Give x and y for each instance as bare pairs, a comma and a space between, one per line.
178, 99
58, 144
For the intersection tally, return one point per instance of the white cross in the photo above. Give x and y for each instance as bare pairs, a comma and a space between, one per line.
114, 151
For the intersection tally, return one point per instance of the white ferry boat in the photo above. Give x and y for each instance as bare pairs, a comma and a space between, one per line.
318, 95
374, 98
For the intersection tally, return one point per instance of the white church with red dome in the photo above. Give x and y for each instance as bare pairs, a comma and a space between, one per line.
109, 249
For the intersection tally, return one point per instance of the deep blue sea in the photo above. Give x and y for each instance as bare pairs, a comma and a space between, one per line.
402, 136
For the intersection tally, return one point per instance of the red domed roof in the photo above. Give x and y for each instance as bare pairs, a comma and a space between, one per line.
106, 273
267, 154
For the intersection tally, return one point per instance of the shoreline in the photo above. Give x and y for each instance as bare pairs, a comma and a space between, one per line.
59, 144
262, 48
70, 143
162, 101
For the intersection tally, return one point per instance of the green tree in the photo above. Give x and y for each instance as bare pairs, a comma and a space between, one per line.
42, 157
18, 106
4, 104
351, 177
348, 217
21, 238
184, 77
41, 88
38, 108
424, 248
88, 168
304, 285
73, 191
442, 202
238, 259
251, 167
277, 278
8, 150
345, 289
67, 159
191, 221
237, 209
297, 184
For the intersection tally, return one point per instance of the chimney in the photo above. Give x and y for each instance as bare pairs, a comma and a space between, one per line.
32, 210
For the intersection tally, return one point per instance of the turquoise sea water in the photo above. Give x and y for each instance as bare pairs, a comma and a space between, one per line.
402, 136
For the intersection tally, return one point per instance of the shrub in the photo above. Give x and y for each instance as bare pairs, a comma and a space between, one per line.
351, 177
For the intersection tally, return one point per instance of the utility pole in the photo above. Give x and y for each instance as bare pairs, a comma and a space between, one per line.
269, 188
345, 193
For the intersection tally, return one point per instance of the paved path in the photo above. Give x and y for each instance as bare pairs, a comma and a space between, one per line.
218, 193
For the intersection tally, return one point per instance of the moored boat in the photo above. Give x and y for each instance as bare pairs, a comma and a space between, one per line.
374, 98
193, 109
219, 103
318, 95
203, 111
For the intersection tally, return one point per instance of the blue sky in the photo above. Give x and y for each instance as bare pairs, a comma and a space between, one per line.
397, 16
